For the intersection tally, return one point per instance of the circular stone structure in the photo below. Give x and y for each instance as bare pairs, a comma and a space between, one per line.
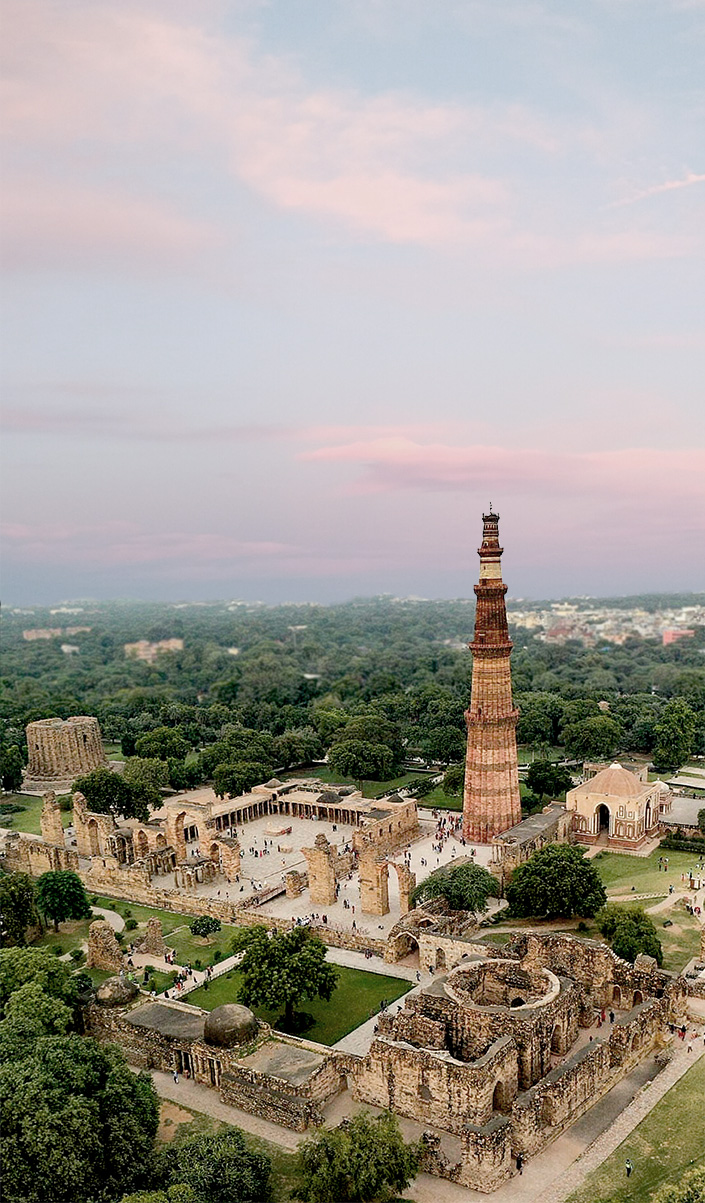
60, 750
499, 985
116, 992
230, 1025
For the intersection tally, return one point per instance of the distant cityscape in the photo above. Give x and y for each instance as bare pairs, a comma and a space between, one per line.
563, 621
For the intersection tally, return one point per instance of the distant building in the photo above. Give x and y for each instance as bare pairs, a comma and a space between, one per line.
144, 650
615, 807
674, 635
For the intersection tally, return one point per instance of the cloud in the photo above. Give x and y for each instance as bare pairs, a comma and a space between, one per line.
53, 224
686, 181
115, 543
393, 464
149, 86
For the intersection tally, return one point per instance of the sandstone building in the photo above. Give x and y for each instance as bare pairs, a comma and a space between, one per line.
491, 800
60, 750
617, 807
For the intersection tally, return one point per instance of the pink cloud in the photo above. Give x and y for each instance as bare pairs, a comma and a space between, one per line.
48, 223
401, 463
115, 543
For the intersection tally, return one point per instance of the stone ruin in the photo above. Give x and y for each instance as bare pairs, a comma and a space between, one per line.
104, 952
152, 942
60, 750
50, 822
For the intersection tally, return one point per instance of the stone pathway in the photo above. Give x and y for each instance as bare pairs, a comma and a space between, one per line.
205, 1100
116, 921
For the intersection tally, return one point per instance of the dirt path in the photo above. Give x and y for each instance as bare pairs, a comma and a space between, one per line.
204, 1099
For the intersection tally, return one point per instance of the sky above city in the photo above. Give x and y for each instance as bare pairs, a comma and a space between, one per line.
293, 290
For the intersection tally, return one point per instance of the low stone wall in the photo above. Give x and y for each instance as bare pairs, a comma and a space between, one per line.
26, 855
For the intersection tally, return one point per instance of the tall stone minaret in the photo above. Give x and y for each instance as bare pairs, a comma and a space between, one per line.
491, 802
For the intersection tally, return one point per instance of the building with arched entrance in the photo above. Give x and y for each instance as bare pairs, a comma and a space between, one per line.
615, 807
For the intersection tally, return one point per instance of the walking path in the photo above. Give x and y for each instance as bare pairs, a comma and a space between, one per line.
205, 1100
116, 921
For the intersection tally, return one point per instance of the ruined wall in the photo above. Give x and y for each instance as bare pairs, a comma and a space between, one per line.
321, 871
374, 881
50, 822
104, 952
397, 829
26, 855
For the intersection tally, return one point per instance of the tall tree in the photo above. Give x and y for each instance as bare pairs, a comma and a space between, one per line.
284, 968
61, 895
18, 908
674, 735
108, 793
162, 744
547, 779
592, 738
11, 768
630, 931
556, 883
239, 778
364, 1159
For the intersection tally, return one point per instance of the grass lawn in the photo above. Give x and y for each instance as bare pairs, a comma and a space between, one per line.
162, 981
178, 1123
357, 996
191, 948
113, 751
97, 976
170, 920
28, 818
440, 800
370, 789
679, 942
71, 934
619, 873
663, 1146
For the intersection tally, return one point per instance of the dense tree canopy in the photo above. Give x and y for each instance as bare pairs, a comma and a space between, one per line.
364, 1159
674, 735
464, 887
220, 1169
283, 969
556, 883
110, 793
18, 908
630, 931
361, 760
548, 780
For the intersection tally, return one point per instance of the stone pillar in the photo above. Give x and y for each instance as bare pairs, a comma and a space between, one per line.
175, 834
50, 821
486, 1158
104, 952
80, 825
295, 883
321, 871
153, 942
374, 882
229, 858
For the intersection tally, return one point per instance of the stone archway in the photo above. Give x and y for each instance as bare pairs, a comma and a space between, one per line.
141, 844
616, 996
93, 837
160, 841
500, 1101
603, 821
440, 958
638, 998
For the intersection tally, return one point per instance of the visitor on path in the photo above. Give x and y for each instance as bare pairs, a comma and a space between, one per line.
628, 1167
175, 1076
520, 1164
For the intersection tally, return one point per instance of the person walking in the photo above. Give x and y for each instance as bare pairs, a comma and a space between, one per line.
628, 1167
520, 1164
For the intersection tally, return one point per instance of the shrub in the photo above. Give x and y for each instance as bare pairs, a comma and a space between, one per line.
130, 924
198, 964
57, 950
217, 955
204, 925
127, 913
77, 955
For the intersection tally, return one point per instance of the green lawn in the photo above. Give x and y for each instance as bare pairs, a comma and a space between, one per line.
356, 997
663, 1146
619, 873
97, 976
170, 920
441, 801
680, 942
28, 818
71, 934
191, 948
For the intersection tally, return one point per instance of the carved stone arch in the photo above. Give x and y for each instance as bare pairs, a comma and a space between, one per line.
141, 843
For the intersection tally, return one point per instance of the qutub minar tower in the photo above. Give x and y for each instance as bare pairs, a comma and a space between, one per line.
491, 800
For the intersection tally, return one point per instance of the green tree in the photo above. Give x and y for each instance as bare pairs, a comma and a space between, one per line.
297, 747
547, 779
464, 887
675, 735
180, 1193
109, 793
77, 1123
61, 895
701, 819
454, 780
239, 778
18, 908
373, 728
221, 1168
556, 883
147, 776
630, 931
593, 738
362, 761
442, 744
205, 925
364, 1159
19, 966
11, 768
164, 743
284, 968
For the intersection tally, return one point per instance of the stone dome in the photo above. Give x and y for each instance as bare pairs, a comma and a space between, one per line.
229, 1025
116, 992
614, 782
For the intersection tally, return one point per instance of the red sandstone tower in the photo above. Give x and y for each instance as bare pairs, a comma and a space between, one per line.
491, 802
